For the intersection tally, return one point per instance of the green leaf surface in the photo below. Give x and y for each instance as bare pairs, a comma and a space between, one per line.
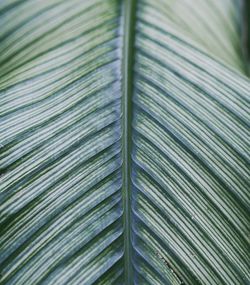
124, 143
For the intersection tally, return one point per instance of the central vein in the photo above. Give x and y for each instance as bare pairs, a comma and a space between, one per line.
128, 61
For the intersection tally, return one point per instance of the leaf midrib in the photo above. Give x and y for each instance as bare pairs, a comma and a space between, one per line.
129, 12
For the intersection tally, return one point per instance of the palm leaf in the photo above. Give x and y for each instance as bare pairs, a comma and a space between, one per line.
124, 143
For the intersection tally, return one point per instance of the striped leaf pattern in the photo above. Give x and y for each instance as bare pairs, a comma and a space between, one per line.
60, 142
190, 160
124, 143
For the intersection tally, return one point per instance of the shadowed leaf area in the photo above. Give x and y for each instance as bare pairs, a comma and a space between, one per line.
124, 143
